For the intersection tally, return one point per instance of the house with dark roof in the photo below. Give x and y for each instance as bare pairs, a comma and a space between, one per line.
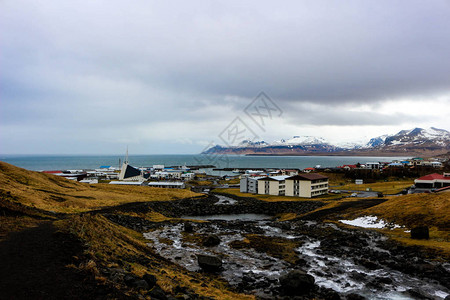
306, 185
433, 181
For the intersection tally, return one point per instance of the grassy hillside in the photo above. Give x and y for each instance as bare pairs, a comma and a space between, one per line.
53, 193
432, 210
416, 210
96, 254
108, 244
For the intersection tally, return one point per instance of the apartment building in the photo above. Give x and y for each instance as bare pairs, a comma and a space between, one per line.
306, 185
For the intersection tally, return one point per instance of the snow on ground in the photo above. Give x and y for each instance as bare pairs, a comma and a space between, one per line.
369, 222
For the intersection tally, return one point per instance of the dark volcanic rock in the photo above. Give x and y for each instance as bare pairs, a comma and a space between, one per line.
416, 294
150, 279
188, 227
420, 233
355, 297
157, 293
211, 240
140, 284
209, 263
297, 282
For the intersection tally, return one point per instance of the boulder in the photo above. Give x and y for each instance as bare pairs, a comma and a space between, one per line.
209, 263
140, 284
211, 241
420, 233
297, 282
157, 293
188, 227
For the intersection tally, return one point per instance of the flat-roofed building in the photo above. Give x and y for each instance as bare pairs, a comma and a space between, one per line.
306, 185
249, 184
167, 184
274, 185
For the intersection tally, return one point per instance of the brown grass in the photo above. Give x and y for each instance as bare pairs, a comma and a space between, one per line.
432, 210
109, 244
415, 210
54, 193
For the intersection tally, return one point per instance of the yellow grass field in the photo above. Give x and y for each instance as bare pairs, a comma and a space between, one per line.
54, 193
389, 187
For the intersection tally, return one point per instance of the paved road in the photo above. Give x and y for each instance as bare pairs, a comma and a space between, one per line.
361, 194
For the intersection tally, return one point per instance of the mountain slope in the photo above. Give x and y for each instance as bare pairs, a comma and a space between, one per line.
417, 141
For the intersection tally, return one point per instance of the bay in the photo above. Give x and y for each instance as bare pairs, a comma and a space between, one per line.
65, 162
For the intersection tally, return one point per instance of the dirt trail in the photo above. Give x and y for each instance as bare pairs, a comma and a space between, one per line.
33, 266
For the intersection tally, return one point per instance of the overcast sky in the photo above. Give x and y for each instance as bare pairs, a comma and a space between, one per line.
91, 77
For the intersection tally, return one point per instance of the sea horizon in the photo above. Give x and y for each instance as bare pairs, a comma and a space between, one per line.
40, 162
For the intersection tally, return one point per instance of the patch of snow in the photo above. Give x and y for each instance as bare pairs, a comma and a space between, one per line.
441, 294
369, 222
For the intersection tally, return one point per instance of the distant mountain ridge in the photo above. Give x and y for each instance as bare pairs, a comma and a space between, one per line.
418, 141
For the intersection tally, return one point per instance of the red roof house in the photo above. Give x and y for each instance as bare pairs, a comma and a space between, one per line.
434, 180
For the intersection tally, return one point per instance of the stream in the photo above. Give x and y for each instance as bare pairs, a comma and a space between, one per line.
346, 261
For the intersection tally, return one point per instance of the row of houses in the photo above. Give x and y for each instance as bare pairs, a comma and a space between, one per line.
300, 185
414, 162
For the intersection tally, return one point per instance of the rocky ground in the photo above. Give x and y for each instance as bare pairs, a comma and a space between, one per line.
304, 258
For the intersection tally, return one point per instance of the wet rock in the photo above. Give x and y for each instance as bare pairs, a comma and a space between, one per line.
385, 280
150, 279
368, 264
354, 297
209, 263
140, 284
301, 262
211, 241
420, 233
329, 294
416, 294
358, 276
188, 227
297, 282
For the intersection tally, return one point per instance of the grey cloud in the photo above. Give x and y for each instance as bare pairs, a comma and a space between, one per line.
111, 64
341, 116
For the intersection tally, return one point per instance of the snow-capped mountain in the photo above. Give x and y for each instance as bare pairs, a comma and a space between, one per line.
417, 140
302, 140
413, 137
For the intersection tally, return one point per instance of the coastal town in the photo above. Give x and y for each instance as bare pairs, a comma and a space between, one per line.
309, 182
294, 150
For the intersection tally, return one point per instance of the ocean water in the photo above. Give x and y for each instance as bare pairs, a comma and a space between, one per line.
65, 162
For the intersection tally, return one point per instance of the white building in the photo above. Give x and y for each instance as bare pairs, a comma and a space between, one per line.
249, 184
274, 185
166, 184
373, 165
306, 185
